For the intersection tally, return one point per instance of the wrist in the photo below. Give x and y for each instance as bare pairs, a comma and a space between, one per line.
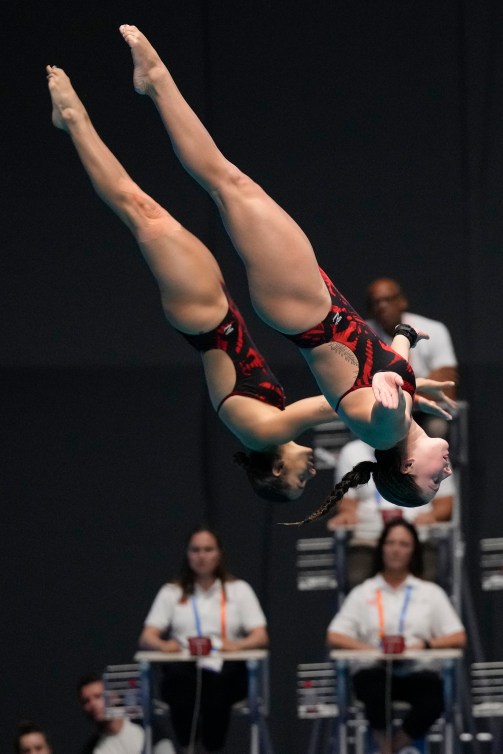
408, 332
427, 644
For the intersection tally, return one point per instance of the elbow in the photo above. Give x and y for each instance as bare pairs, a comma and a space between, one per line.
142, 644
331, 640
263, 639
147, 639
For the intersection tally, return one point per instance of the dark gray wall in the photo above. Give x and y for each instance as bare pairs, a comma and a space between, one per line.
377, 126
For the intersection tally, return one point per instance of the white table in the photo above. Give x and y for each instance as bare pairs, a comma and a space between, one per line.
343, 658
258, 681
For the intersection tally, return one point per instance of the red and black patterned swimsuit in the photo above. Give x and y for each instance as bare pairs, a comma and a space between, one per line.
254, 379
344, 325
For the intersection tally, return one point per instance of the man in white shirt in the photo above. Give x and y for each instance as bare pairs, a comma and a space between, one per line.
115, 735
434, 358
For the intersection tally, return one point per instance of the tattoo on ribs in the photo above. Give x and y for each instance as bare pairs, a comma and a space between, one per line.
345, 353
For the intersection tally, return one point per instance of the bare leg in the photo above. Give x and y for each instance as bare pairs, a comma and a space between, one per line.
285, 284
188, 275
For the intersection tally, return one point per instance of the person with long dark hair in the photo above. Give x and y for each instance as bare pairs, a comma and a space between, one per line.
205, 599
396, 601
369, 384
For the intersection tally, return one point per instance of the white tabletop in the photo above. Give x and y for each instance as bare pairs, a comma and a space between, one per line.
185, 656
408, 654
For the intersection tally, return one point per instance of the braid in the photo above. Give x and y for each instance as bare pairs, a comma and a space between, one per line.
359, 474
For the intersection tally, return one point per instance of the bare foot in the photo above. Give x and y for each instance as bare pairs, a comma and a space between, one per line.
148, 66
66, 106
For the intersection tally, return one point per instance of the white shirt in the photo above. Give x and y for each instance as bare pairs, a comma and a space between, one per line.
370, 502
430, 354
129, 740
418, 610
242, 612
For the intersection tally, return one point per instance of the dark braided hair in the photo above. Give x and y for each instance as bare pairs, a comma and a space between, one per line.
258, 467
395, 486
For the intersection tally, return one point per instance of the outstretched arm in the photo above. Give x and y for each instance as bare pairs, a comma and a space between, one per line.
297, 417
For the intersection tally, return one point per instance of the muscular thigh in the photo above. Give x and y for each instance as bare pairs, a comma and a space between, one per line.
285, 284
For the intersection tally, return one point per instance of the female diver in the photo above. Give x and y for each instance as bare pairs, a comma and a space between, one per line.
370, 385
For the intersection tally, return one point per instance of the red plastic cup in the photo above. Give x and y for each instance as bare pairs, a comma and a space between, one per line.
199, 645
393, 644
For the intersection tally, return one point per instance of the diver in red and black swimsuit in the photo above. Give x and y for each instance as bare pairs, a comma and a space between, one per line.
289, 293
254, 378
243, 390
344, 325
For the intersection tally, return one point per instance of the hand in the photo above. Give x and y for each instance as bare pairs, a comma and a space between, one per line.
416, 645
229, 646
421, 335
435, 391
386, 387
170, 645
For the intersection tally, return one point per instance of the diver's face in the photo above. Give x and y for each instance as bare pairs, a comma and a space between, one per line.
297, 468
429, 464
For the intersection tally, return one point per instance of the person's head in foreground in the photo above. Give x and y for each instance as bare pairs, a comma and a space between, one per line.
31, 739
91, 690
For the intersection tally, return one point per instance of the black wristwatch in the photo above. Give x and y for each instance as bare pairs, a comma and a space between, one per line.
408, 332
427, 644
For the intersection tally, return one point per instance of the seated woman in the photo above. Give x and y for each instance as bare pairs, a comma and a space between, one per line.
396, 601
243, 390
369, 384
206, 600
31, 739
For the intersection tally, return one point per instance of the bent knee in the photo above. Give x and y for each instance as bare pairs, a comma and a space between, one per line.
233, 183
137, 204
143, 214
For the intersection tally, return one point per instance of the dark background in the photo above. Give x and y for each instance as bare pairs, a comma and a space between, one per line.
377, 125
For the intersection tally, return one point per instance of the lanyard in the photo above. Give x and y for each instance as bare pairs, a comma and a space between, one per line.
403, 611
223, 615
